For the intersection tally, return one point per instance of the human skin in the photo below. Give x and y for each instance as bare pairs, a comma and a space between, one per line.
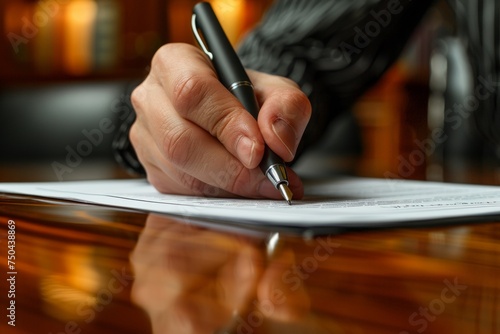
194, 280
193, 137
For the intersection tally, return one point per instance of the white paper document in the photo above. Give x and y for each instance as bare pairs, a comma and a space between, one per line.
339, 202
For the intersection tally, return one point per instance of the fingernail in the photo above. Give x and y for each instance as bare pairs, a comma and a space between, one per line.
287, 135
245, 149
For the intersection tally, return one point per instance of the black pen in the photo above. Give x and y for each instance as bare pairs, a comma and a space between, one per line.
232, 75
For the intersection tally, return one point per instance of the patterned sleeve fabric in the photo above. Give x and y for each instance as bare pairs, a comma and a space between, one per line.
123, 150
334, 49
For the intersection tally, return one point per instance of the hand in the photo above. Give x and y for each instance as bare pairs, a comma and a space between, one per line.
190, 280
194, 137
195, 280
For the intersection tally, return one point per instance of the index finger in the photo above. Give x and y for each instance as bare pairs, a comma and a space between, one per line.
190, 83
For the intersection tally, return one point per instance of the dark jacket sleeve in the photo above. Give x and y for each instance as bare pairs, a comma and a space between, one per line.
123, 150
334, 49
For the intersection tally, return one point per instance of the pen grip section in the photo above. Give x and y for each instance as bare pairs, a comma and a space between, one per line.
273, 167
246, 96
269, 159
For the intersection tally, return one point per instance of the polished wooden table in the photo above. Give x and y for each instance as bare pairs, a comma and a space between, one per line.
88, 269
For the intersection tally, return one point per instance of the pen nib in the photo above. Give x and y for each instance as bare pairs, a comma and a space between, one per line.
286, 193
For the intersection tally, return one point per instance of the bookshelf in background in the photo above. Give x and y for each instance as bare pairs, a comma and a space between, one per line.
60, 40
57, 40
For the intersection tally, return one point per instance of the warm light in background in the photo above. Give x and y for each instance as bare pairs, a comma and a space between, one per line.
79, 21
75, 37
231, 14
235, 16
86, 38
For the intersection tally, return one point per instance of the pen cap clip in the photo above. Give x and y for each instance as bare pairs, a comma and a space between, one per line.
199, 39
216, 45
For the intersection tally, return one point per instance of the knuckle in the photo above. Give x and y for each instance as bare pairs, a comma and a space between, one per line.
304, 104
133, 134
159, 179
188, 92
194, 185
177, 146
157, 182
289, 82
225, 123
138, 97
161, 57
299, 102
234, 178
239, 182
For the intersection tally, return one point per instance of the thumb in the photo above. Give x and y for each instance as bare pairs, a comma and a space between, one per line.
284, 114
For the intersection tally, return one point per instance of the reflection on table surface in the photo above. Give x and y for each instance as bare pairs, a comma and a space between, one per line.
90, 269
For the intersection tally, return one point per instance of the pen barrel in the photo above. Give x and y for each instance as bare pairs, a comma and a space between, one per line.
225, 60
245, 94
233, 76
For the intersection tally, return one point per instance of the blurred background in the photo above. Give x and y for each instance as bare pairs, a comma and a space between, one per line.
68, 67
